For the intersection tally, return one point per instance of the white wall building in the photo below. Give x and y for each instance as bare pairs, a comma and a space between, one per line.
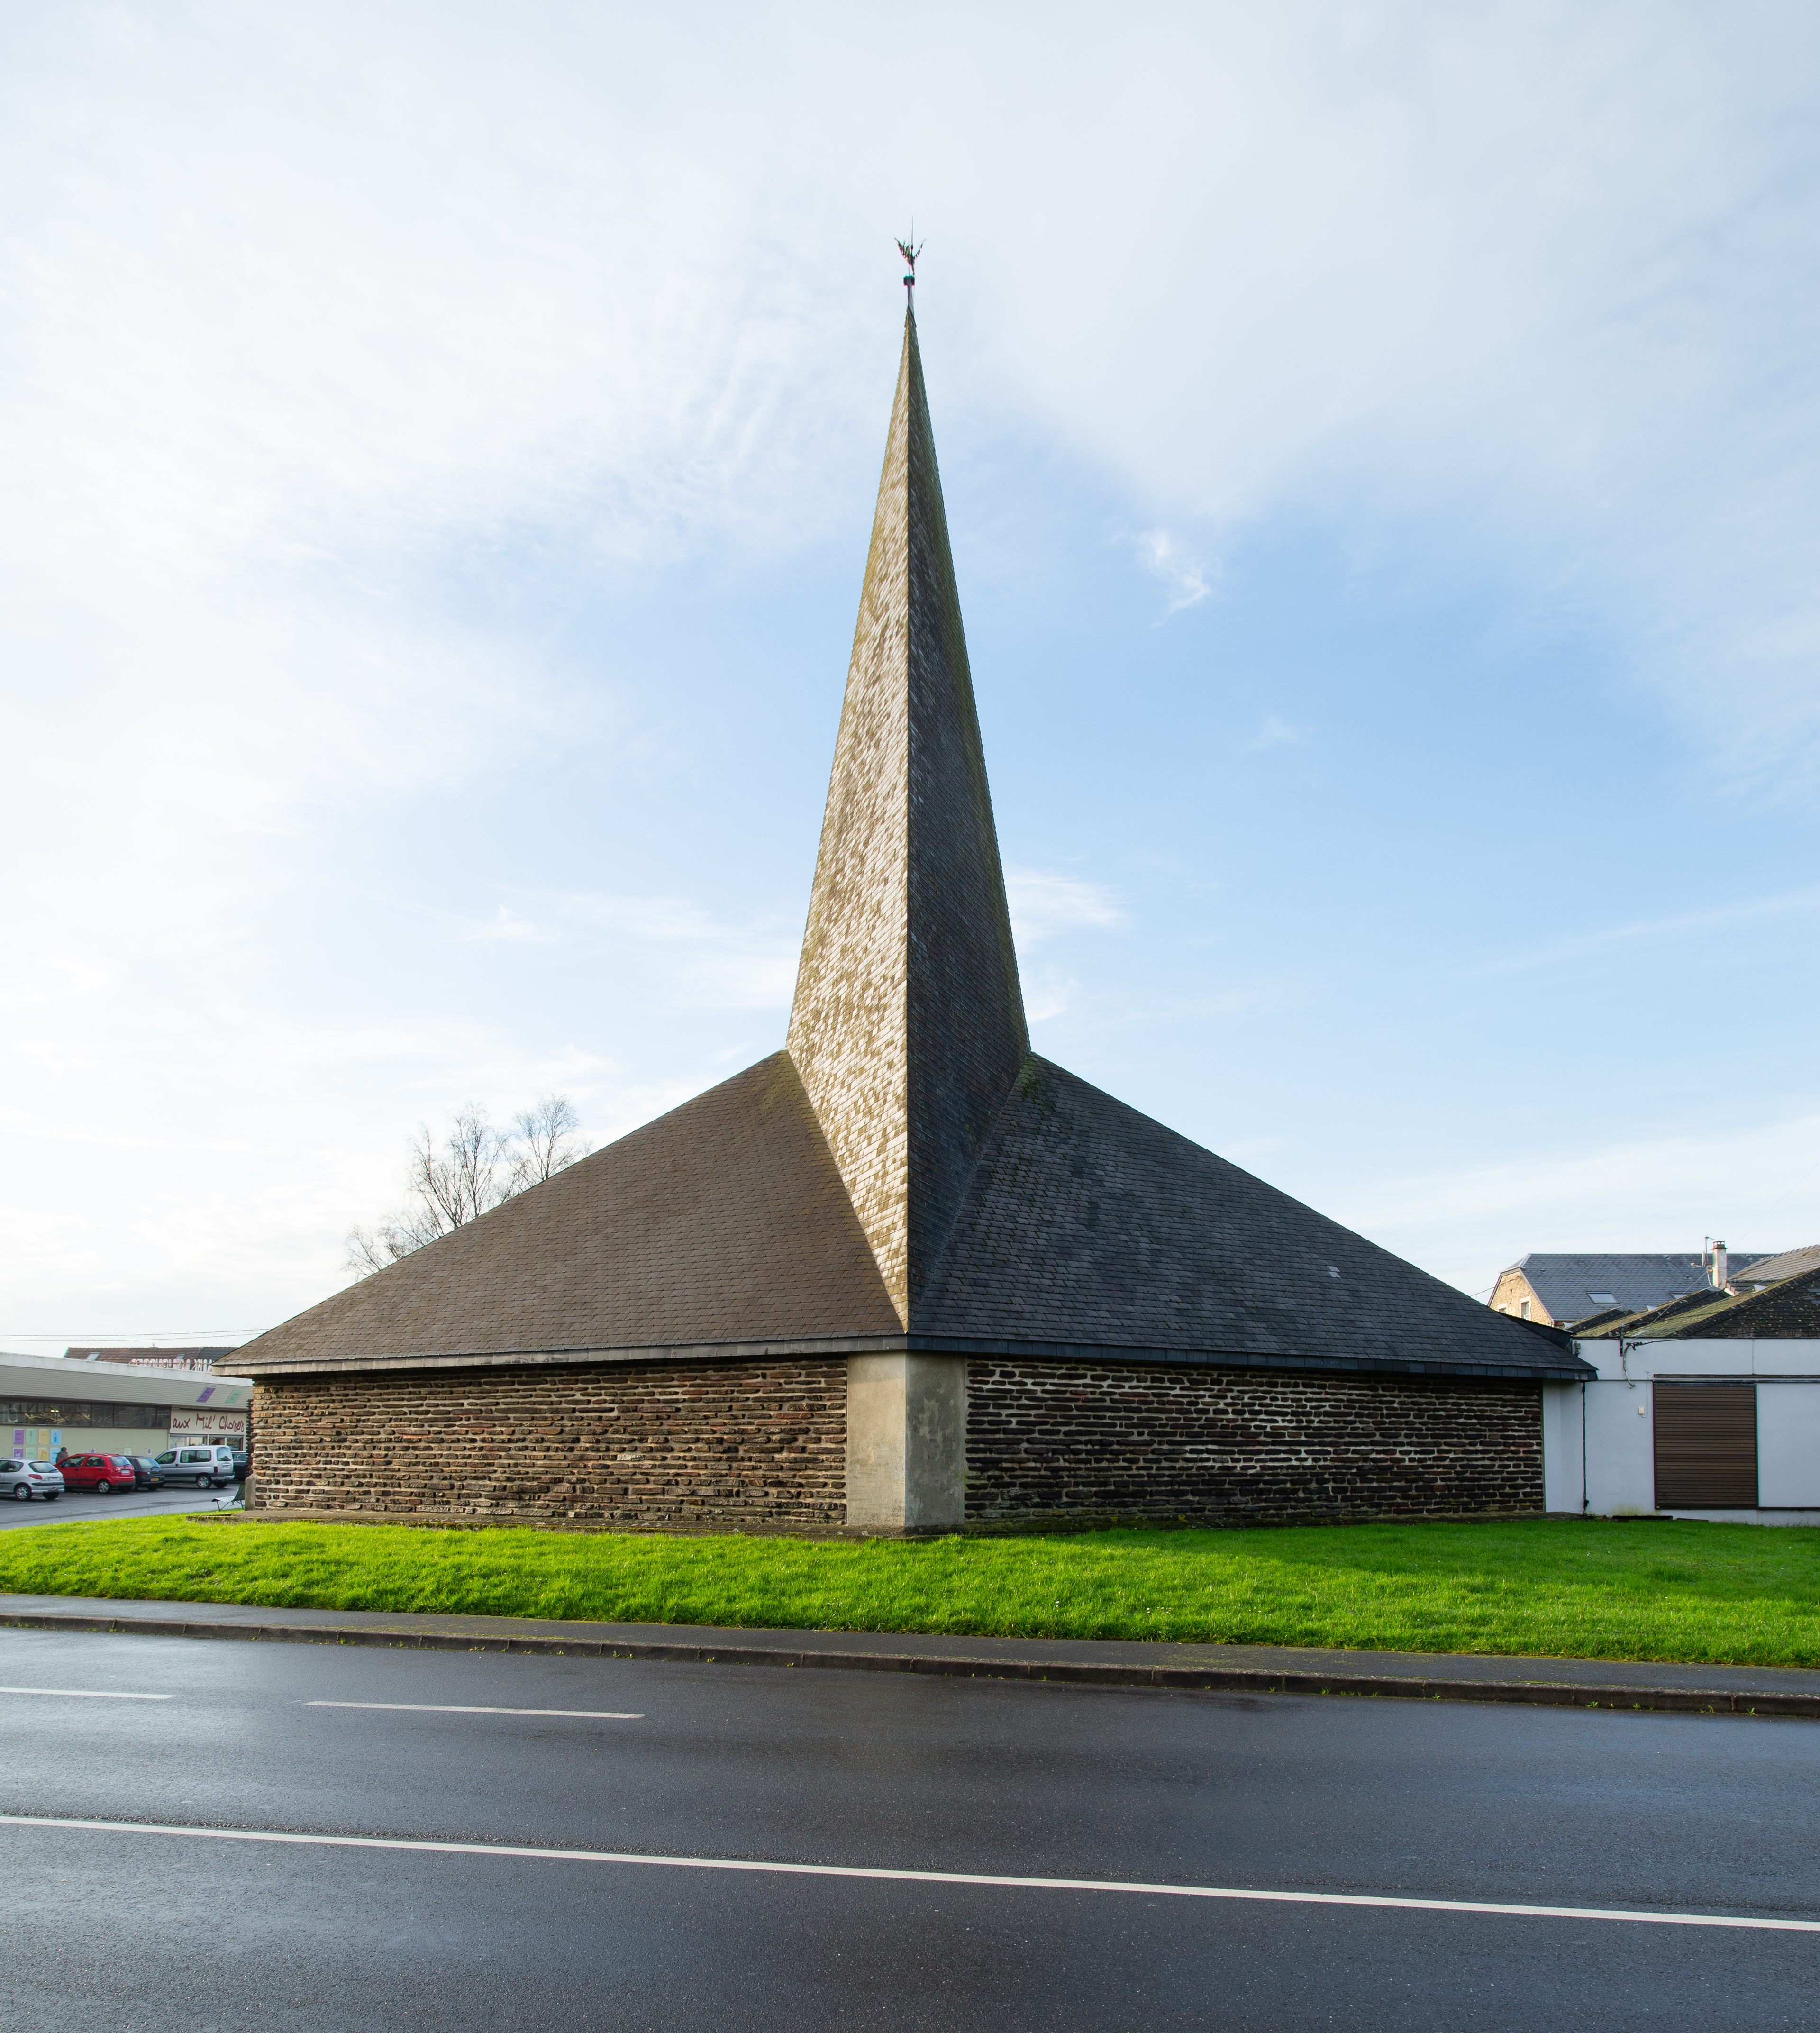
1708, 1420
48, 1402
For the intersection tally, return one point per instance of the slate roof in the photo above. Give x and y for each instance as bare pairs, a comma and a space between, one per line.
720, 1225
1087, 1231
1772, 1269
905, 1175
1087, 1227
1789, 1311
1566, 1283
1662, 1320
1598, 1323
908, 1025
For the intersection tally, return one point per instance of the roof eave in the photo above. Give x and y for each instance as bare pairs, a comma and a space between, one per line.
1004, 1347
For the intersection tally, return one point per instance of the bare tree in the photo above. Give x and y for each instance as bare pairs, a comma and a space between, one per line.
544, 1141
371, 1249
458, 1180
455, 1178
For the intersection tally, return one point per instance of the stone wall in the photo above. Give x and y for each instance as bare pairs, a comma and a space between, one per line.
1516, 1296
1226, 1446
751, 1444
675, 1443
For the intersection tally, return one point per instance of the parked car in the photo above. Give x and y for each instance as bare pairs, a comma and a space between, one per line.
204, 1467
103, 1474
146, 1471
22, 1479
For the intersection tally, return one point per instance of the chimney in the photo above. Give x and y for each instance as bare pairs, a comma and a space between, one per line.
1721, 1270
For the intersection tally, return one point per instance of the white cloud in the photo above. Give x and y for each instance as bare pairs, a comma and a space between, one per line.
1044, 905
1048, 991
511, 927
1183, 576
300, 311
1516, 286
1274, 733
678, 948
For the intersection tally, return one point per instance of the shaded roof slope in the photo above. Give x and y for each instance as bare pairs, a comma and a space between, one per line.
1655, 1319
1089, 1225
1789, 1311
1595, 1324
723, 1222
908, 1025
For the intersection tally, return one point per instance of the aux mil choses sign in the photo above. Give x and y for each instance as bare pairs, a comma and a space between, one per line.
205, 1423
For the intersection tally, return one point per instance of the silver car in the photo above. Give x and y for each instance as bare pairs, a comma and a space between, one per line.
22, 1480
204, 1466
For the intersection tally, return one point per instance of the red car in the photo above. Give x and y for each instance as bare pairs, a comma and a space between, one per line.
100, 1472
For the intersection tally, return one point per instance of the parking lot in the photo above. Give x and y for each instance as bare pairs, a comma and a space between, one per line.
77, 1506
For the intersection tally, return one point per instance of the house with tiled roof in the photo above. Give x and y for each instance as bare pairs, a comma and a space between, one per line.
1561, 1288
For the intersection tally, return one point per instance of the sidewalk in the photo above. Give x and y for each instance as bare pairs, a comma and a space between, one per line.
1761, 1690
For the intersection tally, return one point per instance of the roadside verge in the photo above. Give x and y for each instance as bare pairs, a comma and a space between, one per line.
1251, 1669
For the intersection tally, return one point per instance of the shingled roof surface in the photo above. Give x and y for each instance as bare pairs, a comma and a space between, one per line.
1089, 1225
1787, 1312
907, 1025
1663, 1319
722, 1222
905, 1175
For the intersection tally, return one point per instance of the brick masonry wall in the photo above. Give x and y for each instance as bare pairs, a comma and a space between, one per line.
1228, 1445
745, 1444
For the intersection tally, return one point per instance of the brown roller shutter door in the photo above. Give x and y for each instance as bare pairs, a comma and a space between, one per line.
1705, 1447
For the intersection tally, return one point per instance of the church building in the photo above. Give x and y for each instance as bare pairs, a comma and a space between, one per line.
904, 1274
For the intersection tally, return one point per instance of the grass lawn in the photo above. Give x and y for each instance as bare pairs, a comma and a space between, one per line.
1747, 1594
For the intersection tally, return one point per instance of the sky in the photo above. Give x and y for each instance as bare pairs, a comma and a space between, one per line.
1382, 451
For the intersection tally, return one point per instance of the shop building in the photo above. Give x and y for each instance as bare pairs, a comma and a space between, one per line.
50, 1404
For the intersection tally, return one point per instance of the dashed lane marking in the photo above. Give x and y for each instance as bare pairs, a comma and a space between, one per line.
1246, 1894
88, 1693
453, 1707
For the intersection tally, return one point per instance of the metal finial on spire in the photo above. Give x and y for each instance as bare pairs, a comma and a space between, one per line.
910, 251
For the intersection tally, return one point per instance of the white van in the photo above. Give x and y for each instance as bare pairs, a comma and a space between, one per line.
204, 1467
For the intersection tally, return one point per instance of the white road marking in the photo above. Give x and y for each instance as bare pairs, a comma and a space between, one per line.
445, 1707
88, 1693
919, 1877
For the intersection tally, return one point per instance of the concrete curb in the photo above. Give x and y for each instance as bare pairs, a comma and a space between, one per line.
1199, 1679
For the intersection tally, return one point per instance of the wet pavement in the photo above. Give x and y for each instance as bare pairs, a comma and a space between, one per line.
82, 1505
857, 1771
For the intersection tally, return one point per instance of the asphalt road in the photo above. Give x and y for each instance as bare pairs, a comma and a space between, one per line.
76, 1506
1446, 1802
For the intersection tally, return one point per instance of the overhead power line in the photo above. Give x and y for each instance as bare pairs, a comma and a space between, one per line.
119, 1334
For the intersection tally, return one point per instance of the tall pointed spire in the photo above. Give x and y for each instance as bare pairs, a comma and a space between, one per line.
908, 1026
